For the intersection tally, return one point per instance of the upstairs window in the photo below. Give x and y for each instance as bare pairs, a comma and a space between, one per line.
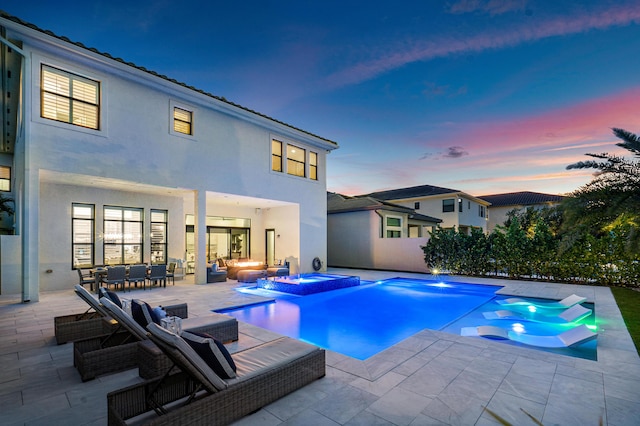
182, 121
5, 178
313, 165
416, 205
481, 211
448, 205
70, 98
276, 155
296, 160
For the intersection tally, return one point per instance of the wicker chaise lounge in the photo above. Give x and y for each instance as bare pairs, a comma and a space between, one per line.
114, 350
90, 323
151, 361
198, 396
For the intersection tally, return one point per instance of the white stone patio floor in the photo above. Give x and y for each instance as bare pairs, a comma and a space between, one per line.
431, 378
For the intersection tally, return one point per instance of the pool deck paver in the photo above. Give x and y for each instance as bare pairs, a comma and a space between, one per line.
430, 378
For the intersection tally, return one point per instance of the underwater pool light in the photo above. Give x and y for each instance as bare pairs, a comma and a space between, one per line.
440, 285
517, 327
532, 308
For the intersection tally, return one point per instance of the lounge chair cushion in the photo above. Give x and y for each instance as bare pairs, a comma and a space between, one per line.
213, 352
172, 340
123, 317
91, 301
143, 313
111, 295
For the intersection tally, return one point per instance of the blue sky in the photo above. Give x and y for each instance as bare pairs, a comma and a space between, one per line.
483, 96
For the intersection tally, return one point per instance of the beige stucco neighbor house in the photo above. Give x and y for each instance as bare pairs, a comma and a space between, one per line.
501, 204
363, 232
110, 163
455, 208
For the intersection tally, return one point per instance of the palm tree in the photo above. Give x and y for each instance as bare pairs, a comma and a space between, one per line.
612, 198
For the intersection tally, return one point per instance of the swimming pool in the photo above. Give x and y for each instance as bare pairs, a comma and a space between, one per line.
364, 320
361, 321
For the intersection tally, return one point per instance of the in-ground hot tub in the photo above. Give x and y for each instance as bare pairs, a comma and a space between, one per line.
308, 283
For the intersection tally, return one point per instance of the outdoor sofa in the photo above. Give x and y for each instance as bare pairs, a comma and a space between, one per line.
196, 395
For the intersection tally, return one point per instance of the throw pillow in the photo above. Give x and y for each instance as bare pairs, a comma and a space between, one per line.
142, 313
212, 352
111, 296
160, 313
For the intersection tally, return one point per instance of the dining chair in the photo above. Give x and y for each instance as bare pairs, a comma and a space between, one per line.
86, 278
137, 274
157, 274
171, 273
115, 275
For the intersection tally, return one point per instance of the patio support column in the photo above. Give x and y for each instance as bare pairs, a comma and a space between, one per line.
28, 194
200, 231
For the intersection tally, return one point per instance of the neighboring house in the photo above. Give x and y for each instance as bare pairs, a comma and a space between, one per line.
501, 204
363, 232
111, 163
455, 208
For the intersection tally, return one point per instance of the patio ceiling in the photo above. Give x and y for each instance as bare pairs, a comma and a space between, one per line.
129, 186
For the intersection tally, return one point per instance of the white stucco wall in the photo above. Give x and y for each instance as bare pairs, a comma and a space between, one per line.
55, 227
354, 242
229, 152
10, 261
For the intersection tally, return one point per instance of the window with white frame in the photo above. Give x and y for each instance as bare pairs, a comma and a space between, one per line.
70, 98
122, 235
448, 205
393, 227
293, 160
82, 235
481, 211
5, 178
182, 121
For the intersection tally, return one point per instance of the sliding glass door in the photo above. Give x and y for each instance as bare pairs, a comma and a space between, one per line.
227, 243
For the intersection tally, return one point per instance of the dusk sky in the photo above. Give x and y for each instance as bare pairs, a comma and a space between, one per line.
483, 96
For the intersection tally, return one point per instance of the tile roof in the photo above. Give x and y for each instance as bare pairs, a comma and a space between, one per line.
19, 21
412, 192
338, 203
524, 198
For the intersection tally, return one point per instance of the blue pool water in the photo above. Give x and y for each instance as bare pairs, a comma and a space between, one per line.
587, 350
308, 283
364, 320
361, 321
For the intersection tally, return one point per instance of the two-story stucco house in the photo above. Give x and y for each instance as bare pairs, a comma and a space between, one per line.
501, 204
367, 233
455, 208
110, 163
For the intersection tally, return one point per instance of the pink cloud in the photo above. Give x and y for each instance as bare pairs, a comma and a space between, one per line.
530, 153
583, 125
399, 55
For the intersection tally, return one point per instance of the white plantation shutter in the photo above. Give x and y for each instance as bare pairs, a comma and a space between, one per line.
70, 98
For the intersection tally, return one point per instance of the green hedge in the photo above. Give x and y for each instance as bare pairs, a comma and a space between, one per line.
536, 253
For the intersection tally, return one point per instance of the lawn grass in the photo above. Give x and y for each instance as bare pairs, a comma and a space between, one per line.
629, 303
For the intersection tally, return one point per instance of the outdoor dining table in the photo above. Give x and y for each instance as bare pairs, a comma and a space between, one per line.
99, 273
